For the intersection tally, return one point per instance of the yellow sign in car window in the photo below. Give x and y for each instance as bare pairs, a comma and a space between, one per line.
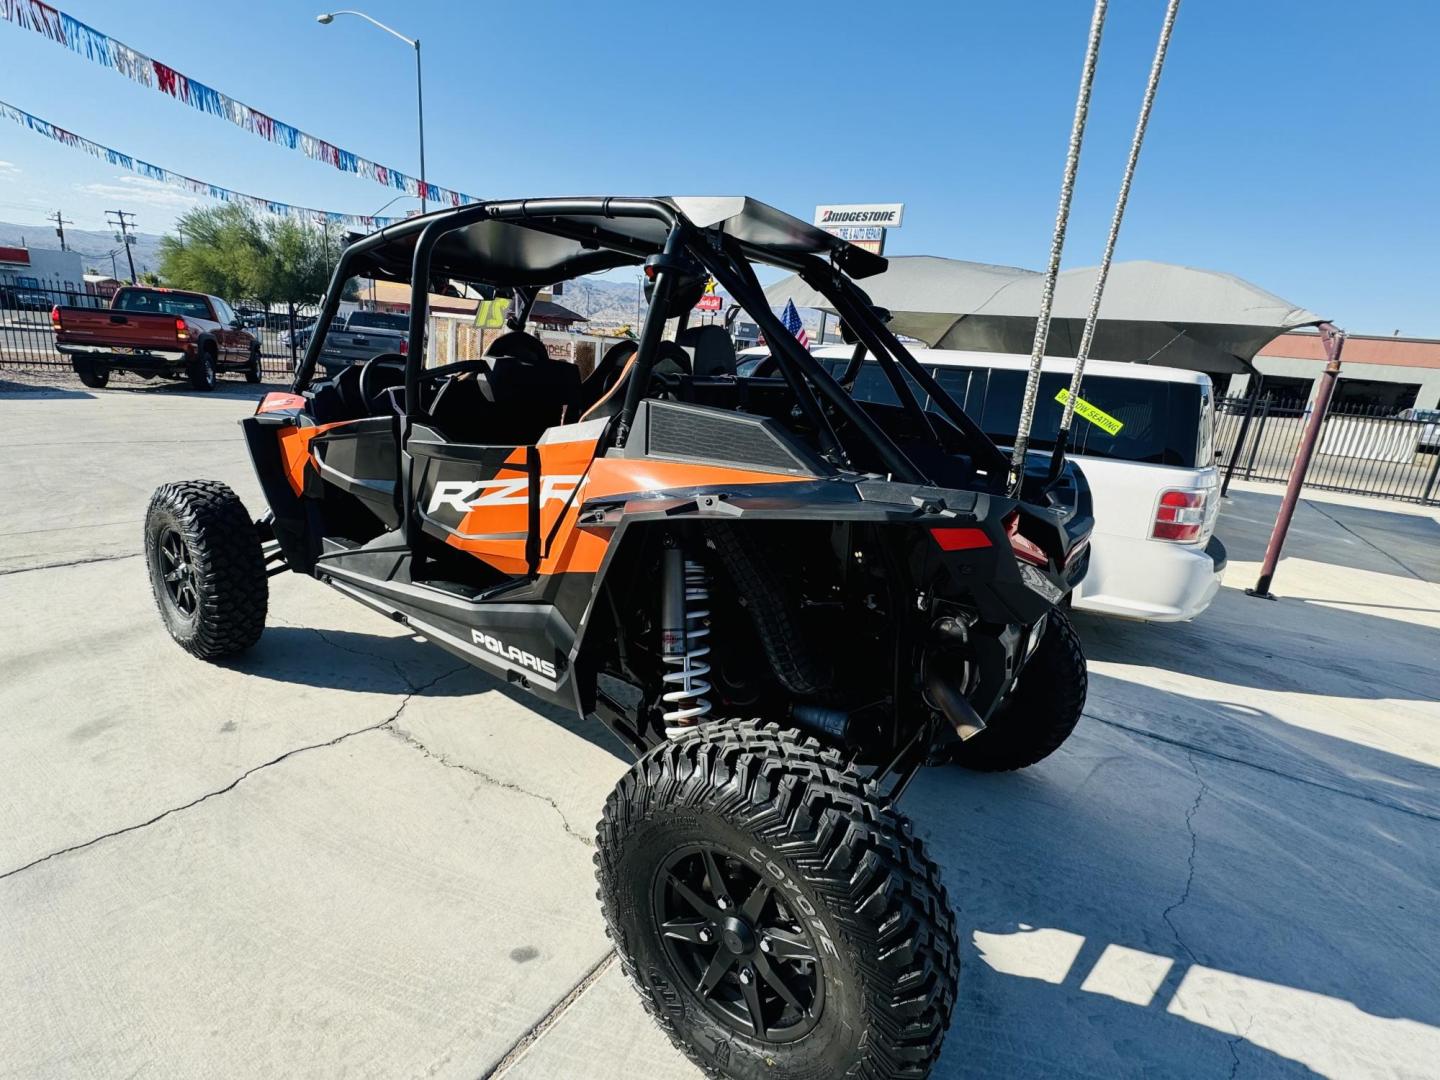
490, 315
1101, 419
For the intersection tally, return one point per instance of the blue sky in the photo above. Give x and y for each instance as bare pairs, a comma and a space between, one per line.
1294, 143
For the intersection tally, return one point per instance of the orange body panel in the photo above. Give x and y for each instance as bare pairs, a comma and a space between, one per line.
570, 475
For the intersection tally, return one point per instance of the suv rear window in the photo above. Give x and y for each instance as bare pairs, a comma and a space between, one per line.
377, 320
1160, 421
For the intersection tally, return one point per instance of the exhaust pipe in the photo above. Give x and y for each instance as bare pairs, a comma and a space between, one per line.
944, 695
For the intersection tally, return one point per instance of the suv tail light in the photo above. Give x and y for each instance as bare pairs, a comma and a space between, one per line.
1024, 547
404, 346
55, 317
182, 332
1180, 515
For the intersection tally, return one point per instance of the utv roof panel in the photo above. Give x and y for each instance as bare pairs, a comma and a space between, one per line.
540, 241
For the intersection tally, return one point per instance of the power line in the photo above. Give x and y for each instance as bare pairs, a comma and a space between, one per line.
123, 237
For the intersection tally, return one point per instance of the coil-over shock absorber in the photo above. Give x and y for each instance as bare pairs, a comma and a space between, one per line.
684, 626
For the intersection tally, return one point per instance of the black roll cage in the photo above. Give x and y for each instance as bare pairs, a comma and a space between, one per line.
729, 261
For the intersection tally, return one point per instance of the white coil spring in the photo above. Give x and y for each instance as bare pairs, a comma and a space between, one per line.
687, 700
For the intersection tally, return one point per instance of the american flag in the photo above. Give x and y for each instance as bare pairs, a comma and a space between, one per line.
791, 318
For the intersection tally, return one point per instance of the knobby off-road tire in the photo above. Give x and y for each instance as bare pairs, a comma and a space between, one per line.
740, 811
207, 572
1040, 712
201, 370
252, 372
93, 375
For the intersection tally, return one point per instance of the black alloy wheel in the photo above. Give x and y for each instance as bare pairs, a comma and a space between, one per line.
177, 572
745, 956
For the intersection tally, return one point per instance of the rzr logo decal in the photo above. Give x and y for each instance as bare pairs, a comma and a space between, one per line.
467, 495
513, 654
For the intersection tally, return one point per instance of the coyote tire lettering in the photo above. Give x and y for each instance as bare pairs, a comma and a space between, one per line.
781, 819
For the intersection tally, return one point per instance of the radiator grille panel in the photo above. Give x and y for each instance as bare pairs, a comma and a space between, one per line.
702, 435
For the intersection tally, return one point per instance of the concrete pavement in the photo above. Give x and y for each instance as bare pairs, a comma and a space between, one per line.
343, 855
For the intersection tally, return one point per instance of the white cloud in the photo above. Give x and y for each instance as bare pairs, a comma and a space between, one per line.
9, 169
143, 190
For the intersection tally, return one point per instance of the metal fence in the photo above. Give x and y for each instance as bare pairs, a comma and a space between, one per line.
1364, 450
27, 341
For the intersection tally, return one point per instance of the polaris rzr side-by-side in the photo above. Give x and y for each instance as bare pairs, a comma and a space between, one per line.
783, 600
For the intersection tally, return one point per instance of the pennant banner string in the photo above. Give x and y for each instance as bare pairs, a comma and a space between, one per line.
101, 49
198, 187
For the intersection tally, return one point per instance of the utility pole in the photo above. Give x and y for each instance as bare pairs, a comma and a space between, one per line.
114, 270
60, 224
124, 237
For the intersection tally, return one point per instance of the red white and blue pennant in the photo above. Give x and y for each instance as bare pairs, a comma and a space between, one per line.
198, 187
101, 49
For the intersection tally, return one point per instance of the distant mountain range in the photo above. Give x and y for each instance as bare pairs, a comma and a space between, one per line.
92, 244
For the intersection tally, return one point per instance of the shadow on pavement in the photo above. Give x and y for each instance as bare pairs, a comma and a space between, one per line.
44, 390
1130, 908
346, 660
1361, 537
1288, 645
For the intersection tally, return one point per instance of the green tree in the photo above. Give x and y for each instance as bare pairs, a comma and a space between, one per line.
227, 251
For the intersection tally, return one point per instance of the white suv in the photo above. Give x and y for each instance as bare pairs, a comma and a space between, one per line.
1147, 450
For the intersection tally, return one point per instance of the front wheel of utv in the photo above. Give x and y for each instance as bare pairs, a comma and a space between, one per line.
207, 571
1040, 712
775, 917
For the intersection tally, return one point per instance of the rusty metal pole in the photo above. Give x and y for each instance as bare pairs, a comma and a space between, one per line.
1334, 341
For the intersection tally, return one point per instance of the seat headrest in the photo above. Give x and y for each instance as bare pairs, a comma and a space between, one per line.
710, 348
518, 343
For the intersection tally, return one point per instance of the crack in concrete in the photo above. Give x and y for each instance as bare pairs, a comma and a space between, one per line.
1368, 543
536, 1032
414, 743
71, 562
1191, 748
235, 782
1190, 862
1234, 1047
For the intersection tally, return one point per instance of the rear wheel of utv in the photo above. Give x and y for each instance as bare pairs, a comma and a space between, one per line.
201, 370
1040, 712
96, 376
206, 568
252, 371
775, 918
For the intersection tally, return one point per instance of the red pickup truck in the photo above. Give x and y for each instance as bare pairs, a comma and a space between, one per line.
156, 332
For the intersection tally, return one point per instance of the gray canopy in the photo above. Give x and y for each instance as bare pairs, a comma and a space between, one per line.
1155, 313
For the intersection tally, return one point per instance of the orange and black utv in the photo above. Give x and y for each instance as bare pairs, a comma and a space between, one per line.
782, 599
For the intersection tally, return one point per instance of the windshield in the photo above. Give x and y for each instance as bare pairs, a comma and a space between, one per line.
163, 303
378, 320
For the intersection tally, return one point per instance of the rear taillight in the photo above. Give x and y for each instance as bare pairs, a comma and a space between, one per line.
1024, 547
966, 538
182, 332
55, 317
404, 346
1180, 516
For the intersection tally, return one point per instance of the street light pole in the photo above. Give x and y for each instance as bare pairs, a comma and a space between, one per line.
326, 18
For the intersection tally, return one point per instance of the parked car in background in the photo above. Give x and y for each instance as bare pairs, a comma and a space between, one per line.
365, 334
32, 301
1430, 429
157, 332
1148, 454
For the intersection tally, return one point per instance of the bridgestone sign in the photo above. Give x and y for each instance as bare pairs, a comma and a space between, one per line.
884, 215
